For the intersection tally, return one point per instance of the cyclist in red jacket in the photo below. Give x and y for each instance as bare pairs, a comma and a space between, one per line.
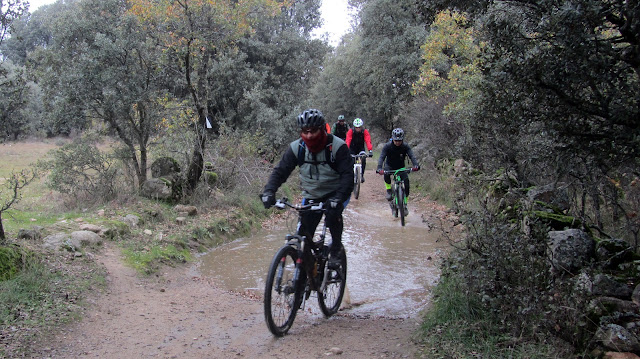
357, 138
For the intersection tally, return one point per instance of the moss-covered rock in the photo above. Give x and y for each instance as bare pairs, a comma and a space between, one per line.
11, 262
558, 221
115, 229
210, 177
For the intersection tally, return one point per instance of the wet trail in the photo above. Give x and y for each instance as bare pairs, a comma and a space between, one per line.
213, 309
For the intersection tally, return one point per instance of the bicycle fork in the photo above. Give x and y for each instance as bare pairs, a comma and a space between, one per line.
357, 170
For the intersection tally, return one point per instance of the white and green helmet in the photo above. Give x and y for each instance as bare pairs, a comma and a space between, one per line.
357, 122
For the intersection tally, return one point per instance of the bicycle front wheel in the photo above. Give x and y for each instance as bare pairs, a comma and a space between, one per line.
400, 203
356, 184
332, 290
280, 299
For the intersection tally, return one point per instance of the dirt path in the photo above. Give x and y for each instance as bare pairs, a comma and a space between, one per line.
182, 315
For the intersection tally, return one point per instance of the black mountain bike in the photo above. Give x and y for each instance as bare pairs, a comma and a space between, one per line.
298, 269
357, 172
398, 193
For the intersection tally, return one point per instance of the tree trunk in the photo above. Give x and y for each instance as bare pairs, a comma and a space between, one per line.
196, 164
2, 236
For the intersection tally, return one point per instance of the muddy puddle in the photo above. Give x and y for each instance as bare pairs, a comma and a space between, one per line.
391, 268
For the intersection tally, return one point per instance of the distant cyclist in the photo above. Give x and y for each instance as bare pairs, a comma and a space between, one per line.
356, 139
340, 128
393, 157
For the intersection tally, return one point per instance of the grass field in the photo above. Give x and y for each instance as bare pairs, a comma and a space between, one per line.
15, 156
36, 205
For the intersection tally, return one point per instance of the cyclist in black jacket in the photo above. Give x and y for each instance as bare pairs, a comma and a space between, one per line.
393, 157
340, 128
326, 175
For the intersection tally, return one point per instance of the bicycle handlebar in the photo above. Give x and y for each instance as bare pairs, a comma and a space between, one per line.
284, 203
361, 154
400, 170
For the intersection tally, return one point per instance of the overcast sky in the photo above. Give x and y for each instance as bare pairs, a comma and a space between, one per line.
334, 12
336, 19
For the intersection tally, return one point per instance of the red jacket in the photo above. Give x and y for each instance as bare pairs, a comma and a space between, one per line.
367, 140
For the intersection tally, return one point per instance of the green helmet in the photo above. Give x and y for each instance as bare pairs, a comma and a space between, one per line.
358, 122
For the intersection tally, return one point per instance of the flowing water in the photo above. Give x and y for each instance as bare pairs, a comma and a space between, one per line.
390, 268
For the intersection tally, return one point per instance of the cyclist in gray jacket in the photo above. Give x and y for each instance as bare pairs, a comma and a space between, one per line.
326, 175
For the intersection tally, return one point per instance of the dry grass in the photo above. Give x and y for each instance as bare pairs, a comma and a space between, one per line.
36, 201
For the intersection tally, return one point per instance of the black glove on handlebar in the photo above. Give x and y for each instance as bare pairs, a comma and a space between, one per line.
370, 153
268, 199
333, 204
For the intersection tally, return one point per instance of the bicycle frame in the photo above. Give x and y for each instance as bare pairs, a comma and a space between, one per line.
357, 163
357, 172
397, 187
310, 252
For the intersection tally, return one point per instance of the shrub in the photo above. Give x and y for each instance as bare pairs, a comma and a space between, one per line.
11, 262
80, 170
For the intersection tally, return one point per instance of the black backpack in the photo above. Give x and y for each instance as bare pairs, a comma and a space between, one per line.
341, 131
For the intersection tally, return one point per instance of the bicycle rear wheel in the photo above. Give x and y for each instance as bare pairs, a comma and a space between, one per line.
335, 281
400, 203
280, 299
356, 183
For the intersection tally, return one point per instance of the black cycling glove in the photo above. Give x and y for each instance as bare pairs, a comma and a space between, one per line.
268, 199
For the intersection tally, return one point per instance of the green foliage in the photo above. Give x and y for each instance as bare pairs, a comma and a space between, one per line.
450, 62
12, 260
13, 95
563, 72
114, 230
457, 326
438, 185
210, 178
80, 170
254, 88
26, 291
239, 158
41, 296
371, 74
247, 213
559, 101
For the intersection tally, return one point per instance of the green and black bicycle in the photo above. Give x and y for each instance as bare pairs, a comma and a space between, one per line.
398, 192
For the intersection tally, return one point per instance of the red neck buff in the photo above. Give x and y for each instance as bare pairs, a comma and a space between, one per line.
315, 143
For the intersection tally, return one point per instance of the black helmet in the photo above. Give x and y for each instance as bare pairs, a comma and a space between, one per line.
397, 134
310, 118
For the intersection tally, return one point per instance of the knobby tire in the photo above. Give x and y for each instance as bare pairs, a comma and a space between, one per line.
281, 301
330, 298
356, 184
400, 203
